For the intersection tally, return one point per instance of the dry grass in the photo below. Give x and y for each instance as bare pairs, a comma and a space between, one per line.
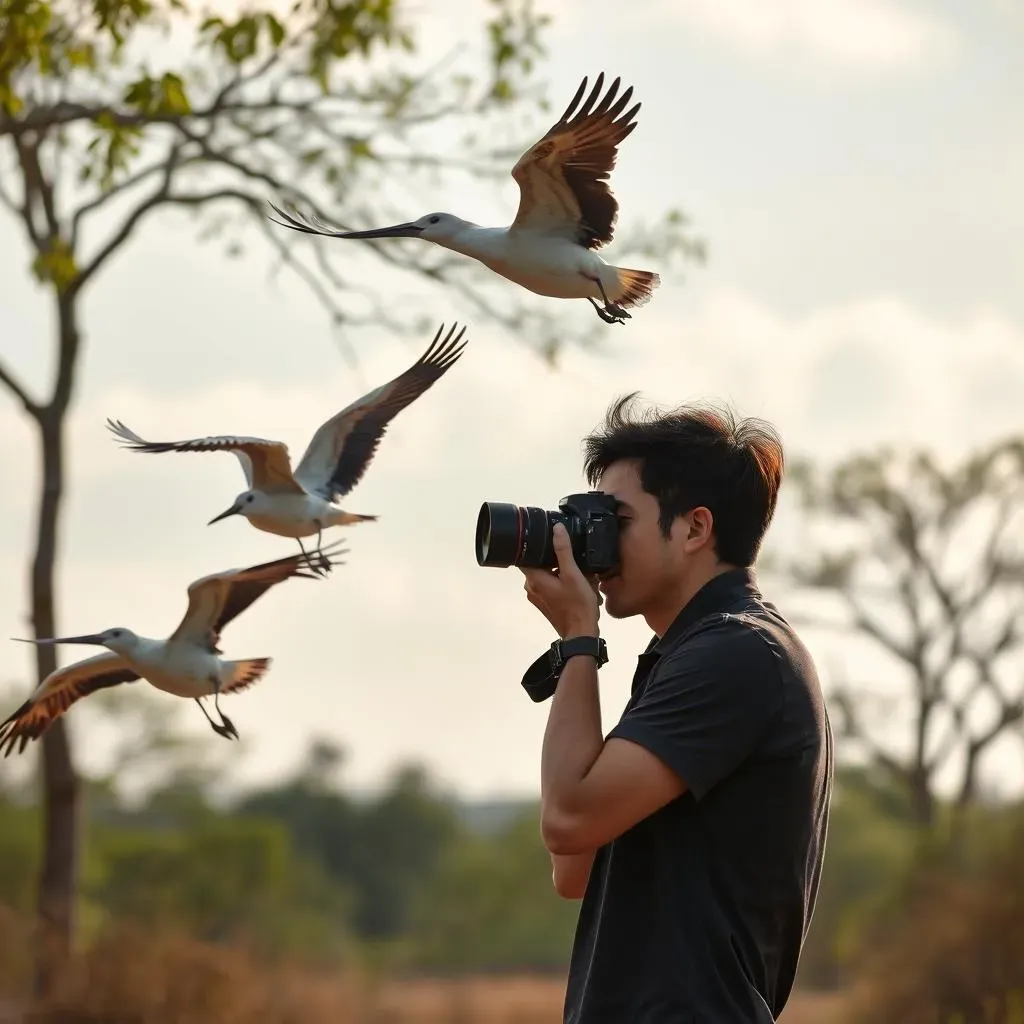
956, 955
131, 977
813, 1008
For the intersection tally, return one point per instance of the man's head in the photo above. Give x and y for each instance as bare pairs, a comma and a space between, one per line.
697, 489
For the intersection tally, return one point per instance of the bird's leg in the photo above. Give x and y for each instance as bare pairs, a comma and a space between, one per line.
324, 563
606, 317
229, 730
612, 312
225, 729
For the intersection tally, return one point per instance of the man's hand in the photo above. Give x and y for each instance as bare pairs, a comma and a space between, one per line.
566, 598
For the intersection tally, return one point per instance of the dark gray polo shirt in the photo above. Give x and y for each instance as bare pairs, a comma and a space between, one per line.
697, 914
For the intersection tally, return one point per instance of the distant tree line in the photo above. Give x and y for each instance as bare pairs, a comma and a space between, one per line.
406, 879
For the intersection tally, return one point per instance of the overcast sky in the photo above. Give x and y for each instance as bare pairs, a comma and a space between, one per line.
855, 168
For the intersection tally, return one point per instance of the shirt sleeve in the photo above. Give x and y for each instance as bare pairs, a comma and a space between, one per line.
707, 705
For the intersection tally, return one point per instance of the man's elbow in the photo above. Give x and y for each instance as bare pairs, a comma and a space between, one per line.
563, 834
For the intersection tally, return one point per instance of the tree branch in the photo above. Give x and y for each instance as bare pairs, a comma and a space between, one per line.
863, 622
7, 201
130, 222
103, 197
7, 378
910, 520
851, 727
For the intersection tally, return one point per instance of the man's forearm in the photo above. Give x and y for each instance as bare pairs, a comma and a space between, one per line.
572, 743
570, 873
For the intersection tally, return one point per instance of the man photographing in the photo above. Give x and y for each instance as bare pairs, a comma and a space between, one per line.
695, 831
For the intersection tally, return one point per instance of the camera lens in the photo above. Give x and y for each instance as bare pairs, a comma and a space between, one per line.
519, 535
497, 534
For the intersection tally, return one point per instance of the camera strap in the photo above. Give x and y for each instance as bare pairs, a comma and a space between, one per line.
541, 678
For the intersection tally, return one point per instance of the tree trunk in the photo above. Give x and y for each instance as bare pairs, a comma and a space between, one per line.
963, 803
922, 802
56, 894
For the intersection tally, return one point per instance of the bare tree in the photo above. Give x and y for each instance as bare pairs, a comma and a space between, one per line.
927, 565
262, 107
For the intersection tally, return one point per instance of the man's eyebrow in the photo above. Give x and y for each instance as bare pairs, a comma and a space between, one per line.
623, 506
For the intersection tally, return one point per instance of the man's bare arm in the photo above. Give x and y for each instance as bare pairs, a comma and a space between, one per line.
570, 873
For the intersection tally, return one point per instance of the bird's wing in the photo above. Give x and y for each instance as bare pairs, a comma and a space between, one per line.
563, 178
265, 463
57, 692
214, 600
341, 450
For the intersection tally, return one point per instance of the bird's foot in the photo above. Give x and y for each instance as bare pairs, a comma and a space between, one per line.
226, 728
316, 560
611, 314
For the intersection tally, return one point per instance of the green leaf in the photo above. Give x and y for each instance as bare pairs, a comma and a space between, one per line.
56, 265
274, 28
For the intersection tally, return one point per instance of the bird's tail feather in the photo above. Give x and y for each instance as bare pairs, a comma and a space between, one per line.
636, 286
246, 672
350, 518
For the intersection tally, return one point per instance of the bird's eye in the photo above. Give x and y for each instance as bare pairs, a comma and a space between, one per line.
435, 220
249, 499
115, 634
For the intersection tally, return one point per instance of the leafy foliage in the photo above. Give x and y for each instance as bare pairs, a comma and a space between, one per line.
309, 870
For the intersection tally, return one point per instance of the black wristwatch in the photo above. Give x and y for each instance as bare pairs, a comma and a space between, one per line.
541, 677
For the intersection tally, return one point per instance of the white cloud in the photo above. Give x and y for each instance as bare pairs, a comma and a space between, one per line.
863, 34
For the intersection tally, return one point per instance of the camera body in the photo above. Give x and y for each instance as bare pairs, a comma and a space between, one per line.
521, 535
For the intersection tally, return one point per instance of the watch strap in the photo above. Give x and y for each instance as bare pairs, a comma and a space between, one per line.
541, 678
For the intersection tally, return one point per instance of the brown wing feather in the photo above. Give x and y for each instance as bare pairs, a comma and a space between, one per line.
572, 163
59, 690
247, 672
356, 432
224, 596
266, 463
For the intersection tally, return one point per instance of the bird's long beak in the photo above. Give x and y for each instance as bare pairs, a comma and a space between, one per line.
92, 638
233, 511
407, 230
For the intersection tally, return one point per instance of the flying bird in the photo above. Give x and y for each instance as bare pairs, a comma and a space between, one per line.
302, 503
187, 664
566, 213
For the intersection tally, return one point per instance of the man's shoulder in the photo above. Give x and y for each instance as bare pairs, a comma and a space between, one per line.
745, 633
750, 640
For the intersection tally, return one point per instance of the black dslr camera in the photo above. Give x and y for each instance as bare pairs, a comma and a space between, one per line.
521, 535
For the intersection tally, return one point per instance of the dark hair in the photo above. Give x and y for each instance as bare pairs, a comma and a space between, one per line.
698, 454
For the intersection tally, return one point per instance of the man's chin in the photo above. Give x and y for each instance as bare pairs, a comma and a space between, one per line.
613, 604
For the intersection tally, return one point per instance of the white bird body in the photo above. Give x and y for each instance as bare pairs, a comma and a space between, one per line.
302, 502
187, 664
566, 212
296, 515
181, 668
542, 262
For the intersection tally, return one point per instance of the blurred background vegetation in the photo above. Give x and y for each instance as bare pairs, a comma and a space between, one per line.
398, 907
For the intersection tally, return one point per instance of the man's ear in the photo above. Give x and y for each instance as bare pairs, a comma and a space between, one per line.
698, 525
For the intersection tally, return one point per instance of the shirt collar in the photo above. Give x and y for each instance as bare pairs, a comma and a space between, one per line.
718, 594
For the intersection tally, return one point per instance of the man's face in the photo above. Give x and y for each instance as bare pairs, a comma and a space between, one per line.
651, 565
